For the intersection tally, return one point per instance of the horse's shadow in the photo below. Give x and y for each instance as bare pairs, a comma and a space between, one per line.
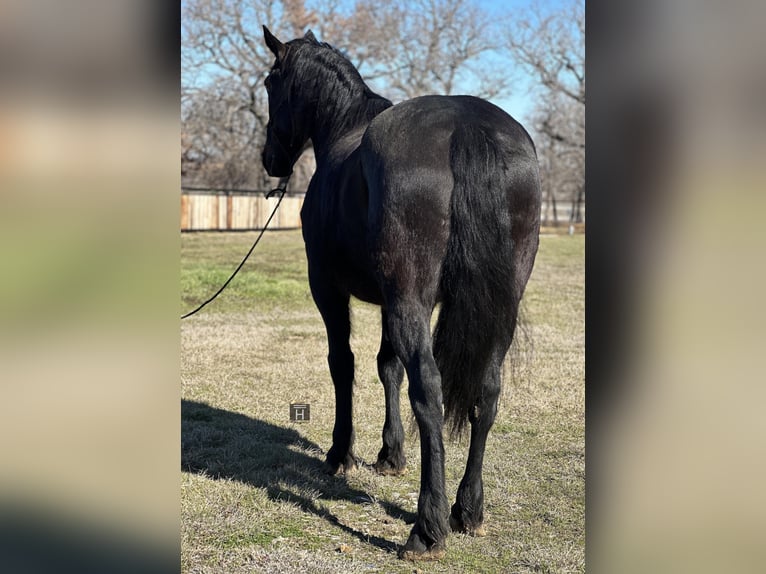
225, 444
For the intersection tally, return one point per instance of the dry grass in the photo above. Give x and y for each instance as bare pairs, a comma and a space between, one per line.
254, 494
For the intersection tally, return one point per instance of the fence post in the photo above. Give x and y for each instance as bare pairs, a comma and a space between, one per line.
184, 211
229, 210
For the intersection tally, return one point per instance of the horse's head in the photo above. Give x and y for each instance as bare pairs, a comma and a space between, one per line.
287, 131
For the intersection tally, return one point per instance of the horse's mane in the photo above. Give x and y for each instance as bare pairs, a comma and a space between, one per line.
337, 83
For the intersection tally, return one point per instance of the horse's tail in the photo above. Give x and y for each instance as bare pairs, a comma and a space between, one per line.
481, 284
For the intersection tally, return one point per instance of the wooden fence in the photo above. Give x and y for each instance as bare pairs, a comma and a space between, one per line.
237, 210
242, 210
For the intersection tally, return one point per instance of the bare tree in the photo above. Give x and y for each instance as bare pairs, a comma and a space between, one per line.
559, 123
418, 47
224, 107
219, 143
551, 47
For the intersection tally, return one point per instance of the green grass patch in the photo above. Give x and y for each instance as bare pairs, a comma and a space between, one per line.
275, 274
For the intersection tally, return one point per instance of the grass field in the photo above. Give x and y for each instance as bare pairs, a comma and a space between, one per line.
254, 497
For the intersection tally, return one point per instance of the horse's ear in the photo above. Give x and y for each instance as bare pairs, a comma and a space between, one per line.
276, 47
309, 35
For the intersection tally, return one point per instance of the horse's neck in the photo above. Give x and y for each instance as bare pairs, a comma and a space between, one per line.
336, 150
337, 126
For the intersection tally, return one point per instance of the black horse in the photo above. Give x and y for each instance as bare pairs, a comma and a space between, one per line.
433, 200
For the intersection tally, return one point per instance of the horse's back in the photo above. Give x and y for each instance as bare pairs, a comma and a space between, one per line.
423, 127
410, 147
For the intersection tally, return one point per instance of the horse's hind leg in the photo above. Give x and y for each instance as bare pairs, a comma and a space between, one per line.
410, 335
468, 511
335, 313
391, 459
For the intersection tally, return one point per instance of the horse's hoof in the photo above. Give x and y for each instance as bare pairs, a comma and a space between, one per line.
385, 468
435, 552
457, 526
416, 549
340, 468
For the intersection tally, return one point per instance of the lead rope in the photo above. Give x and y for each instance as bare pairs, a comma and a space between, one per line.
281, 189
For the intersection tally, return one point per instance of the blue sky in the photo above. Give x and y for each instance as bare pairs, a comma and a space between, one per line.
519, 99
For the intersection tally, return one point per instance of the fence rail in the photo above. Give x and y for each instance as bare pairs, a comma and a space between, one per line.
204, 209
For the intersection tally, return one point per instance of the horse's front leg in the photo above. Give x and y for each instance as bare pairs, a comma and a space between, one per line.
335, 313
